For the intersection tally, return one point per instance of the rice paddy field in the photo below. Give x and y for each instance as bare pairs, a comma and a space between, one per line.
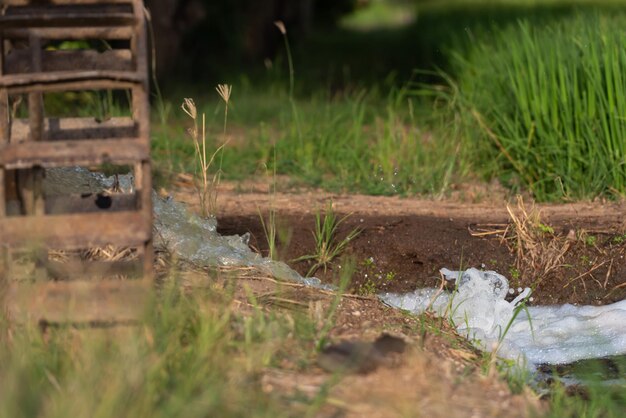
422, 122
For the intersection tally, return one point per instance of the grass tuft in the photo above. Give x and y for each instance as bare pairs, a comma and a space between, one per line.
327, 246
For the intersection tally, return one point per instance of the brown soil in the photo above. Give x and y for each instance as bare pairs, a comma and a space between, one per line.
439, 373
405, 241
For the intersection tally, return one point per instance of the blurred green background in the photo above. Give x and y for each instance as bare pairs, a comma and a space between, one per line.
401, 96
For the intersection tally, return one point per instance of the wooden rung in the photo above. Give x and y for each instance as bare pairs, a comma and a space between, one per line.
19, 61
56, 205
93, 202
73, 33
98, 84
90, 270
13, 81
77, 231
79, 302
67, 16
69, 153
56, 129
63, 2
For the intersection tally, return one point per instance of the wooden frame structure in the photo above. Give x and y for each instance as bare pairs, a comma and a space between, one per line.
34, 63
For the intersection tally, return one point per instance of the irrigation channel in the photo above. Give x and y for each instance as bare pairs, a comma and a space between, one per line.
532, 336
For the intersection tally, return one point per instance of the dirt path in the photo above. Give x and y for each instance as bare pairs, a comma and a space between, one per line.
405, 241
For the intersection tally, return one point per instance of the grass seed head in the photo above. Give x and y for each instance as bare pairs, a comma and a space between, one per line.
281, 27
189, 107
224, 91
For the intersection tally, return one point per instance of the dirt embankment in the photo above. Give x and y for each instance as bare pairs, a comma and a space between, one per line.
570, 253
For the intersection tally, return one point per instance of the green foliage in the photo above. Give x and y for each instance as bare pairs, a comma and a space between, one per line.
362, 141
598, 399
549, 101
270, 232
327, 245
368, 288
193, 356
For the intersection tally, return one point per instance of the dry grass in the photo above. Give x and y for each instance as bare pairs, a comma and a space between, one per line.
539, 252
205, 182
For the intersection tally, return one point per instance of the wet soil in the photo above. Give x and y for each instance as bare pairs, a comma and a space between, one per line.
405, 241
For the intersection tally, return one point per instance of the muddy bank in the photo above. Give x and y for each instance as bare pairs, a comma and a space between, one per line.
404, 242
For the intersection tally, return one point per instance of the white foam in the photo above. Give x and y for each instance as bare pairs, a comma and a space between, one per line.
535, 335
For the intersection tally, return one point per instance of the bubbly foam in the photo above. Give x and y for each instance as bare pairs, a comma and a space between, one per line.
532, 335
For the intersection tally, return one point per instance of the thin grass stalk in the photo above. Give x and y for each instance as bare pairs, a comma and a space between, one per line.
294, 109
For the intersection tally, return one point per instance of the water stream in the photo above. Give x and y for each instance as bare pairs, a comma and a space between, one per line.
531, 336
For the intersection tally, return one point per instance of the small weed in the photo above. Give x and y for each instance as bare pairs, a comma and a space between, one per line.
515, 273
368, 262
619, 239
390, 276
326, 246
585, 260
368, 288
269, 229
591, 240
546, 229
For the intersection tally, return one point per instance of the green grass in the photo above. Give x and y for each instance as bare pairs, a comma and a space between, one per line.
194, 356
550, 102
596, 399
520, 109
364, 142
328, 246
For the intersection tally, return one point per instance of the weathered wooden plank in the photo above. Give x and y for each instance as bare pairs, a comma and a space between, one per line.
70, 153
76, 231
74, 33
62, 2
76, 302
143, 179
3, 201
5, 125
93, 84
56, 129
95, 202
24, 80
68, 16
18, 61
58, 205
92, 270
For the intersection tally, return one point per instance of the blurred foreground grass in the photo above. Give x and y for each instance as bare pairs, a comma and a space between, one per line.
204, 351
193, 356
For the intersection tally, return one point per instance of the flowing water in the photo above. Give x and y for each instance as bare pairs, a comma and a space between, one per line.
529, 335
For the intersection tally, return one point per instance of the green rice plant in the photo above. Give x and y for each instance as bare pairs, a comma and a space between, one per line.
327, 246
549, 100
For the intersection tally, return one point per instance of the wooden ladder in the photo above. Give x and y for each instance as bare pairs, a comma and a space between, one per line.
107, 52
